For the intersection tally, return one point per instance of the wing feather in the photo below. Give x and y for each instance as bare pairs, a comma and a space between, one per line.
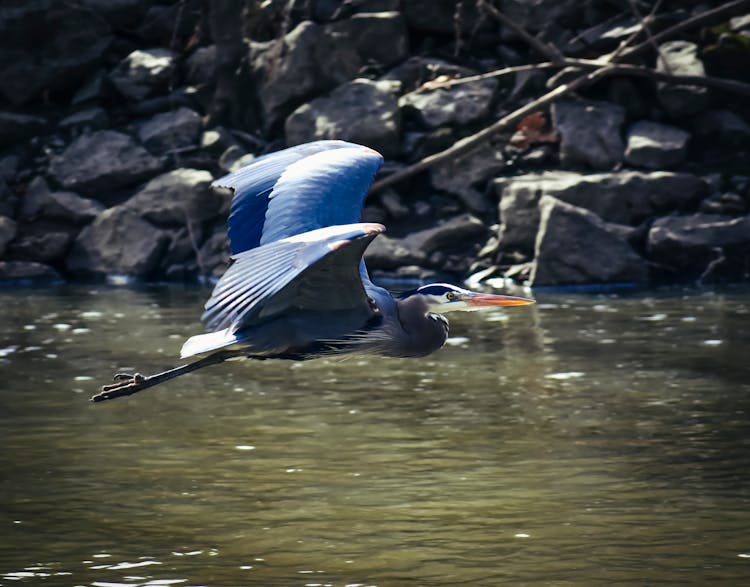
297, 190
318, 269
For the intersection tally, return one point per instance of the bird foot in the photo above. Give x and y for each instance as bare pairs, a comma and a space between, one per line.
127, 384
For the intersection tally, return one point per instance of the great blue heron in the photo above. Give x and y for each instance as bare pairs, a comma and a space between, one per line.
298, 287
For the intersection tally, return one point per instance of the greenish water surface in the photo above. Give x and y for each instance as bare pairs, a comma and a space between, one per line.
584, 441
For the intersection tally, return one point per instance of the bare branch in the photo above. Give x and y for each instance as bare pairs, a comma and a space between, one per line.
717, 14
545, 49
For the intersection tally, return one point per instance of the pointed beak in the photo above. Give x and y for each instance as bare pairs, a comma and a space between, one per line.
480, 300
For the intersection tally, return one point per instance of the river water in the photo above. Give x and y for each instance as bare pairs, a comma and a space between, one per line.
587, 440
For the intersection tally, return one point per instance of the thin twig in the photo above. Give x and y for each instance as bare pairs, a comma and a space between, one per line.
545, 49
469, 143
717, 14
647, 30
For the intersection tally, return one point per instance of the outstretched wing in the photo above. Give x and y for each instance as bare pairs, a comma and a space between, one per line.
316, 270
297, 190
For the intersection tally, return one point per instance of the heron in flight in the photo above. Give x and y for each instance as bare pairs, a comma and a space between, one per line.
297, 287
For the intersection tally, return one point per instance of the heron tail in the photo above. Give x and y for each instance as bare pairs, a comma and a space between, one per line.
204, 343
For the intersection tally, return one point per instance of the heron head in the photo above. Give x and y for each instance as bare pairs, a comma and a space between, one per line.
443, 297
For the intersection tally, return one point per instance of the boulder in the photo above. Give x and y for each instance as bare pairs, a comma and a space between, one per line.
200, 67
681, 58
722, 128
625, 197
118, 242
70, 207
176, 197
15, 128
589, 133
41, 244
7, 232
27, 273
213, 256
381, 37
439, 16
144, 73
452, 235
456, 106
575, 246
361, 111
104, 160
40, 201
689, 243
386, 253
85, 120
48, 45
170, 130
655, 145
296, 67
464, 175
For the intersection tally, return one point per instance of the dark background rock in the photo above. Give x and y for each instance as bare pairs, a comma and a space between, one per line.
120, 113
101, 162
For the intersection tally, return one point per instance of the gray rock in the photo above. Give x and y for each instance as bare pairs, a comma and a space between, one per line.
118, 242
463, 175
48, 45
217, 140
36, 196
417, 70
101, 161
119, 13
144, 73
213, 257
681, 58
655, 145
377, 36
15, 128
438, 16
9, 166
7, 232
625, 197
92, 90
177, 196
27, 273
8, 200
575, 246
170, 130
71, 207
40, 201
386, 254
393, 204
361, 111
200, 67
723, 127
297, 66
589, 133
688, 244
451, 235
457, 105
90, 119
40, 245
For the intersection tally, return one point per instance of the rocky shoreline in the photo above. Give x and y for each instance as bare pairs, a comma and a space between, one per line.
112, 129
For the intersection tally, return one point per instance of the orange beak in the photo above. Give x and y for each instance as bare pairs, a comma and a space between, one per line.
486, 300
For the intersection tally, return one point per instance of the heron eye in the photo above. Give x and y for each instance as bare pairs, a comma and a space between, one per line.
450, 295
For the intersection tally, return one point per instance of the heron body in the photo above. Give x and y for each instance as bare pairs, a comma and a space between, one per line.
297, 287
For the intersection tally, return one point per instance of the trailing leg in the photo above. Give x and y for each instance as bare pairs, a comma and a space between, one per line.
129, 384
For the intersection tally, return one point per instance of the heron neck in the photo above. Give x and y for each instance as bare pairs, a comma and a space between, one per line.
422, 332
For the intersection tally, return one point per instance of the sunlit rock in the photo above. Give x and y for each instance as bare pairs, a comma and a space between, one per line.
589, 133
361, 111
681, 58
625, 197
144, 73
119, 241
656, 146
170, 130
102, 161
575, 246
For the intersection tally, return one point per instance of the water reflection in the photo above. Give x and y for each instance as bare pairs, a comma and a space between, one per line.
586, 441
